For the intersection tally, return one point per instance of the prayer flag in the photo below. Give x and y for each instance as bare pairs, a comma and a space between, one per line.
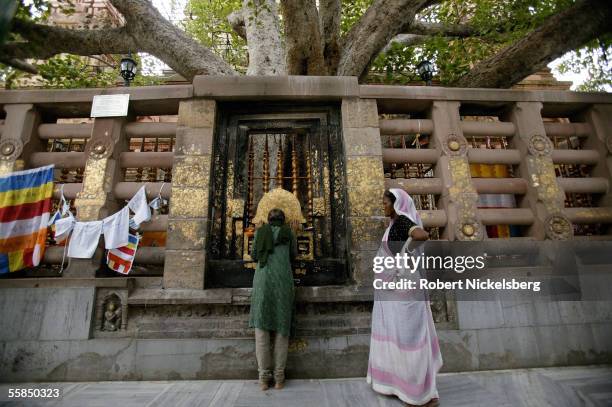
122, 258
25, 205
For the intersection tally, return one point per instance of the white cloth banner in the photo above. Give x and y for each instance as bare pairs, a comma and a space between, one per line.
116, 229
63, 227
138, 204
84, 240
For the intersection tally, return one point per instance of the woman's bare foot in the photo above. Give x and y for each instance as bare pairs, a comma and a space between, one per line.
279, 385
264, 383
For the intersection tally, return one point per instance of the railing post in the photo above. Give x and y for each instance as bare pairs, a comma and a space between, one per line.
600, 119
459, 197
544, 196
102, 171
19, 136
184, 265
365, 183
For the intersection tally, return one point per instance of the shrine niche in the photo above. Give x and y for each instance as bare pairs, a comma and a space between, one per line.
111, 312
278, 157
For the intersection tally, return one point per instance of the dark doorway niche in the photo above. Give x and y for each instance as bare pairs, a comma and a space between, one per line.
263, 147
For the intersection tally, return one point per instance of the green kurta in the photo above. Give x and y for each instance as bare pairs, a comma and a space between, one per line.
273, 290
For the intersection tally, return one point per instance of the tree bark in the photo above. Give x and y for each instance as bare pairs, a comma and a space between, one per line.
266, 51
407, 40
45, 41
330, 12
450, 30
560, 33
383, 20
302, 38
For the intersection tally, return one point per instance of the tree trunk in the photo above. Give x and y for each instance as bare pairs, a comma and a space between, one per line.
302, 38
560, 33
329, 13
266, 51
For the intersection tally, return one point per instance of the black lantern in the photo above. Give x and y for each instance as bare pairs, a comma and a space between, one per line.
426, 71
128, 69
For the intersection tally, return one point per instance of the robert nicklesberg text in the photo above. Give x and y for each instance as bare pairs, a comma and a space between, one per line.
467, 284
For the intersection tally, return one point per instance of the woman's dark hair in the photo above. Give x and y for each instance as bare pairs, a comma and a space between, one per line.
390, 195
276, 215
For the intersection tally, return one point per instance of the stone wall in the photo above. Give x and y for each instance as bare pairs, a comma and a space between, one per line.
46, 337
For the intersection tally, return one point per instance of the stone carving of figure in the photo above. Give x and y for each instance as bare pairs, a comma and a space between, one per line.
438, 306
112, 317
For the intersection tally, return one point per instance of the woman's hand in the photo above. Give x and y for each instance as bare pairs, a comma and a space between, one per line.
419, 234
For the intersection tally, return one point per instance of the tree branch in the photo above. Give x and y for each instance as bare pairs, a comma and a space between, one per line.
383, 20
19, 64
236, 20
418, 32
560, 33
330, 12
446, 30
44, 41
157, 36
407, 40
145, 30
302, 38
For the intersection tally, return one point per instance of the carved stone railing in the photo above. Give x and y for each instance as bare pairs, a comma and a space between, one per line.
91, 156
532, 123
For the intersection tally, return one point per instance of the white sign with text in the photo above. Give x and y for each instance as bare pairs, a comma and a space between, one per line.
110, 105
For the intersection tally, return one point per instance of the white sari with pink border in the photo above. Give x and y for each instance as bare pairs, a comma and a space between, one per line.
404, 350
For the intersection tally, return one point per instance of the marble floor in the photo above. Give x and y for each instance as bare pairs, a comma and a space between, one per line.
558, 387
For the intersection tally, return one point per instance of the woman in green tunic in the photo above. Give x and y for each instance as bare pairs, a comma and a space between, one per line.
274, 246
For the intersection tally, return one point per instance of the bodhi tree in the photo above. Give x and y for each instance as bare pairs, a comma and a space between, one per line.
474, 43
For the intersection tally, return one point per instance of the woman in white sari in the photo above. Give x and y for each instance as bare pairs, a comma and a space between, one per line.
404, 351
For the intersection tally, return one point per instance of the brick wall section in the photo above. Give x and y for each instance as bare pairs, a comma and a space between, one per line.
188, 218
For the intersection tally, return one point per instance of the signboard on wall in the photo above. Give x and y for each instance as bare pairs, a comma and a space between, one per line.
110, 105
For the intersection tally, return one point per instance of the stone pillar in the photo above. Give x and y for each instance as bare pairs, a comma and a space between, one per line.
459, 197
188, 219
544, 196
19, 136
102, 171
365, 184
